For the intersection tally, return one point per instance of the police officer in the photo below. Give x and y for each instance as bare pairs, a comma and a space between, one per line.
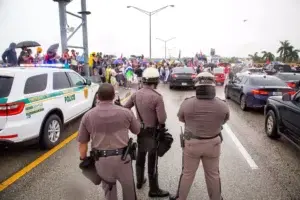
203, 115
107, 126
151, 113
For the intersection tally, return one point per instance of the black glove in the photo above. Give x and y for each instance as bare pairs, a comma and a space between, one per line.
86, 162
118, 102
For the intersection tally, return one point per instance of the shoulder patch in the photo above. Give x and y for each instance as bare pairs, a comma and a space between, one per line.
189, 97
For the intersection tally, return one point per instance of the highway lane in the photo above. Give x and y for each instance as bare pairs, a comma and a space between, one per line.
15, 157
277, 176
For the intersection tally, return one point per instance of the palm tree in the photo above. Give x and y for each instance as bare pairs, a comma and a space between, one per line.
255, 57
268, 56
284, 50
293, 54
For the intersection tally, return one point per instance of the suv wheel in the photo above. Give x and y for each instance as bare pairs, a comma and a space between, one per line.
271, 125
226, 93
243, 103
51, 132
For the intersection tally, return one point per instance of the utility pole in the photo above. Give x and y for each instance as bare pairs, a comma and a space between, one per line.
150, 25
165, 41
62, 5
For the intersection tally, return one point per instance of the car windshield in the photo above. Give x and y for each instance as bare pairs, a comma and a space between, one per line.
266, 81
289, 77
284, 68
5, 85
255, 70
219, 70
183, 70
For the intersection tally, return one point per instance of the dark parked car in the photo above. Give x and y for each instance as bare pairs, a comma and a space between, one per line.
282, 116
182, 77
272, 69
252, 90
291, 79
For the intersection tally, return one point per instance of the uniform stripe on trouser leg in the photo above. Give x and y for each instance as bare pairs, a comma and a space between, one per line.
177, 194
133, 181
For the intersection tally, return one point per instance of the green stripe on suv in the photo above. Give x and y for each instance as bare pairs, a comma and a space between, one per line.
50, 95
3, 100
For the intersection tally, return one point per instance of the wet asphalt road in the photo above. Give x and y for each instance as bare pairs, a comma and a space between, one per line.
277, 176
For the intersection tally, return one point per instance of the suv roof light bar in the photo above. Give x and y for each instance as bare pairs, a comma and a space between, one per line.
44, 65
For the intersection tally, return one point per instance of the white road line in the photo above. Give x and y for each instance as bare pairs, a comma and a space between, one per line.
241, 148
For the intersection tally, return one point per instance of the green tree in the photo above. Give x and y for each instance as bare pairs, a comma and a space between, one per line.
293, 54
255, 57
284, 50
268, 56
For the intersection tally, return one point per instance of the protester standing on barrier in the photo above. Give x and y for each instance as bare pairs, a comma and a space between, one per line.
152, 115
9, 56
203, 116
107, 126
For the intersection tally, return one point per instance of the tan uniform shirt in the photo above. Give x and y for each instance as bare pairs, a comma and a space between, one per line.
107, 126
150, 105
203, 117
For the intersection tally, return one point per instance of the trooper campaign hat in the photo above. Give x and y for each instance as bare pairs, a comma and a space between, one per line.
150, 75
205, 79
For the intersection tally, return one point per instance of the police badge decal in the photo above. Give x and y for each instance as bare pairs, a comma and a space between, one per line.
86, 92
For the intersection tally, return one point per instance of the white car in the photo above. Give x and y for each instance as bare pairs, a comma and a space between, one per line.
35, 102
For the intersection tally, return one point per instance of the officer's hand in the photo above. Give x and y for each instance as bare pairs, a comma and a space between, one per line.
118, 102
84, 163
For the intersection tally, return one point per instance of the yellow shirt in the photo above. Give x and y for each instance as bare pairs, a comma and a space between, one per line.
91, 60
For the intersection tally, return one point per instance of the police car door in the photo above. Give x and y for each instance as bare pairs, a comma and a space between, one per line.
62, 84
81, 91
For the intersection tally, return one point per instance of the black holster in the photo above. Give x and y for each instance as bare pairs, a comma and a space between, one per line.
130, 150
182, 140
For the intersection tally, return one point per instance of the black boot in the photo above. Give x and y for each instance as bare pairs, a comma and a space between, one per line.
173, 197
155, 191
140, 179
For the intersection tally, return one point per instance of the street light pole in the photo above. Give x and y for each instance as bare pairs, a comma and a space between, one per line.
150, 28
165, 41
150, 38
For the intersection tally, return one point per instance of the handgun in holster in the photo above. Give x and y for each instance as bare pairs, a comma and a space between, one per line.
181, 138
130, 150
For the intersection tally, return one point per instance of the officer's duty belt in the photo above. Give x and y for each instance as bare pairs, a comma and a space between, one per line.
189, 136
108, 153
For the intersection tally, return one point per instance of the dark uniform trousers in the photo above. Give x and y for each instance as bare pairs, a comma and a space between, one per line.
112, 169
152, 161
207, 151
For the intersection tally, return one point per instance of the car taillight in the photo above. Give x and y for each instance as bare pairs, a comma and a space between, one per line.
291, 84
10, 109
260, 92
292, 92
174, 75
194, 76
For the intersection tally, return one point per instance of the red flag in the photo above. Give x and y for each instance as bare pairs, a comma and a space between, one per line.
267, 61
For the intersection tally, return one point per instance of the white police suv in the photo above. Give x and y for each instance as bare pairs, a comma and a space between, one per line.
35, 102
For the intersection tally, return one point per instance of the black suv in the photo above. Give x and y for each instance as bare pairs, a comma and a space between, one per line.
282, 117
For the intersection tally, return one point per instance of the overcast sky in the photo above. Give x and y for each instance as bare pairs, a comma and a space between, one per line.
196, 24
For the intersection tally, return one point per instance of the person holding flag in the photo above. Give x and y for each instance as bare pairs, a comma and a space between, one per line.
129, 74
